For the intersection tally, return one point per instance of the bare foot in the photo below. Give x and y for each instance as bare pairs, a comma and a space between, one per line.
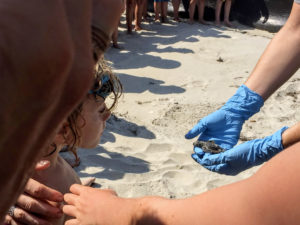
176, 19
147, 18
217, 23
202, 21
138, 28
115, 45
190, 21
228, 24
88, 181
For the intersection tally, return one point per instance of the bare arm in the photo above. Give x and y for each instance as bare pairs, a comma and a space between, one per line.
291, 135
269, 197
280, 60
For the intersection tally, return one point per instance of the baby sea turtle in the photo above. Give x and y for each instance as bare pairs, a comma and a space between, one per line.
208, 146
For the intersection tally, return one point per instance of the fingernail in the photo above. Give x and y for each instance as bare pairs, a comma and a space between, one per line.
43, 162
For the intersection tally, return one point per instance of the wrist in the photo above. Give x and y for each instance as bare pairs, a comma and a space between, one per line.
131, 211
244, 102
146, 210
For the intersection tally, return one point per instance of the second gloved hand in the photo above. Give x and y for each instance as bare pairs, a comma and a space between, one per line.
224, 125
243, 156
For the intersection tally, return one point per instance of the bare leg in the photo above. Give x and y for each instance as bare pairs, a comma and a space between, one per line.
164, 8
201, 6
192, 10
157, 6
176, 4
227, 12
138, 14
129, 14
218, 12
145, 11
115, 39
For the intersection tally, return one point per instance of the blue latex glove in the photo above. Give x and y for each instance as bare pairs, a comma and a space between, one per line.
224, 125
243, 156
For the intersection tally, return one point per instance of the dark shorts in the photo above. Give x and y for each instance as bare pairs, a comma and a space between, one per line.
161, 0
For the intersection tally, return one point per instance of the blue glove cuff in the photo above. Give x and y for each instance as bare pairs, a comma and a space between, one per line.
278, 138
268, 147
244, 103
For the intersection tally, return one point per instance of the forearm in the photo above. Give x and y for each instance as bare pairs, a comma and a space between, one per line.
268, 197
232, 204
291, 135
280, 60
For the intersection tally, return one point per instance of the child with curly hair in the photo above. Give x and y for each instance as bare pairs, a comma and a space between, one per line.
83, 128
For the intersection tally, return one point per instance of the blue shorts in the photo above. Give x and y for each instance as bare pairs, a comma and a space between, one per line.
161, 0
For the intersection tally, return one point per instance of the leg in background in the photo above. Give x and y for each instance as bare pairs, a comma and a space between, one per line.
201, 6
192, 10
138, 14
227, 13
218, 12
157, 6
164, 9
129, 14
176, 4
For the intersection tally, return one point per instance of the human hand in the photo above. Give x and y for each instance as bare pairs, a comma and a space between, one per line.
95, 206
224, 125
243, 156
33, 206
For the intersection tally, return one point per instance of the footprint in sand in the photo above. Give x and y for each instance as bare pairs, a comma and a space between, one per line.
185, 178
158, 148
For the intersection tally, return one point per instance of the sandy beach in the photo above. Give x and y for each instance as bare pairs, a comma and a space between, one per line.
173, 75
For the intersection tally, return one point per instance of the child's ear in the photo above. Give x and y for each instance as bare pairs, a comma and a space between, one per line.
64, 134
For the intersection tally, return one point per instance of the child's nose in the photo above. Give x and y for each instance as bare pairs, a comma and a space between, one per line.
107, 114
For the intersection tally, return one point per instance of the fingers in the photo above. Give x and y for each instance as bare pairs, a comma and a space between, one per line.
72, 222
10, 221
213, 159
38, 207
196, 130
70, 198
76, 189
40, 191
42, 165
200, 153
23, 217
69, 210
223, 168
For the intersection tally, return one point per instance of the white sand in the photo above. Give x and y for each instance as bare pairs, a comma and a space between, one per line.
172, 79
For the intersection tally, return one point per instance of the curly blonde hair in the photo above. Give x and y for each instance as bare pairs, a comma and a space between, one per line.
114, 87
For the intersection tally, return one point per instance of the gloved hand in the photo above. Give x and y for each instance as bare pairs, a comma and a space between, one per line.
243, 156
224, 125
